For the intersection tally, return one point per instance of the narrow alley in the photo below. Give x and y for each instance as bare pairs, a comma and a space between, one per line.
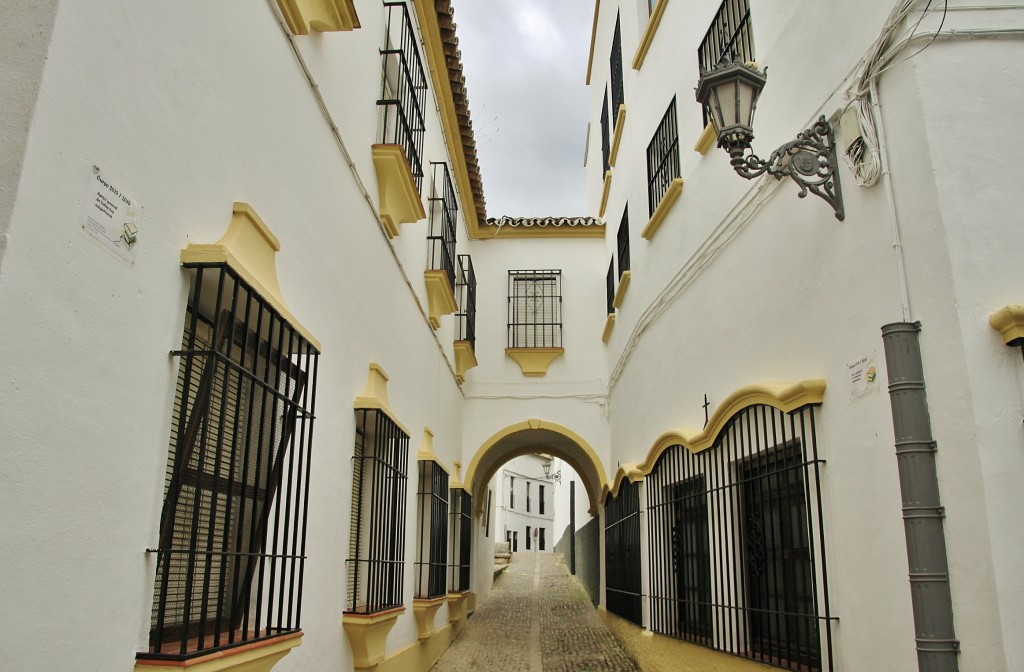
536, 618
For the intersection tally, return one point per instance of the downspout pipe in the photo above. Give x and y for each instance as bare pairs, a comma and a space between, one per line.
937, 646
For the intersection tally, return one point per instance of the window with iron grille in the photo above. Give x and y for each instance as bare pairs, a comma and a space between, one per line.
511, 492
403, 89
729, 37
377, 543
465, 295
461, 540
540, 500
540, 539
737, 542
606, 142
528, 531
232, 545
534, 309
622, 552
618, 93
609, 286
622, 240
444, 210
663, 157
527, 496
432, 529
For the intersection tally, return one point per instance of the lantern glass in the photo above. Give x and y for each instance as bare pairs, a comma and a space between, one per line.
731, 91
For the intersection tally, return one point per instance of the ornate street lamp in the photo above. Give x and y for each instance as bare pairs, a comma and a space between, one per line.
730, 91
548, 476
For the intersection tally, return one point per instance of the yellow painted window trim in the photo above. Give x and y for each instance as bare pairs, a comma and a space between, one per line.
440, 296
319, 15
609, 324
648, 36
604, 193
250, 249
1009, 322
253, 657
375, 395
400, 202
465, 359
661, 212
457, 604
620, 123
707, 139
593, 40
534, 361
368, 635
620, 291
426, 453
425, 609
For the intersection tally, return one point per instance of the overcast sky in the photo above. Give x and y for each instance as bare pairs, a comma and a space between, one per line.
525, 63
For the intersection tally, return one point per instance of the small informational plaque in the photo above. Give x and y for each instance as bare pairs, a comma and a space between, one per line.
863, 376
111, 215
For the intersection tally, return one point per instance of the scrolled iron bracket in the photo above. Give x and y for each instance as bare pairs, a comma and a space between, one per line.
810, 161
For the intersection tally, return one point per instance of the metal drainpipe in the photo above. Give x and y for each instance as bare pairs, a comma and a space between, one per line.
937, 646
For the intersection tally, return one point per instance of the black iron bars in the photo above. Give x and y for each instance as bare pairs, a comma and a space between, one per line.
432, 529
622, 553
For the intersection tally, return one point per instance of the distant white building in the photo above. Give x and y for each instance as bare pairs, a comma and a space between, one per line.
525, 518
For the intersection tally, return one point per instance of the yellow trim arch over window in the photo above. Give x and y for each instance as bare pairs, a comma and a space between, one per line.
783, 395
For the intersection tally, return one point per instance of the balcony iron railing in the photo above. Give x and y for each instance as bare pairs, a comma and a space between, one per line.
606, 142
465, 295
403, 89
444, 210
535, 309
622, 242
610, 286
618, 93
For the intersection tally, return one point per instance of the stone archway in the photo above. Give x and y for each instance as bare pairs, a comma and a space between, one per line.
536, 436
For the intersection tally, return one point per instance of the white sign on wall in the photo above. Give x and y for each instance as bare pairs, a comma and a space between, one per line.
112, 216
863, 376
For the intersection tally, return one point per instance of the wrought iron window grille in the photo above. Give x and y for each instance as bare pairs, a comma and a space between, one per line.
736, 538
622, 242
610, 286
376, 562
465, 295
606, 141
432, 530
444, 211
617, 91
663, 158
403, 89
461, 540
231, 556
623, 591
729, 37
535, 309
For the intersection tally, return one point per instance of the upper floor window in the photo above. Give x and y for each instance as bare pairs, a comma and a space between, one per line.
618, 93
444, 210
465, 284
606, 142
527, 496
241, 435
610, 286
622, 242
663, 157
511, 492
540, 500
535, 309
728, 38
376, 561
403, 89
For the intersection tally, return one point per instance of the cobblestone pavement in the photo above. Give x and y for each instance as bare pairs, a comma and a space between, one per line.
535, 619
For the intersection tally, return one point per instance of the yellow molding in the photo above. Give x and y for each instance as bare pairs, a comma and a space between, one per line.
250, 249
707, 139
456, 478
430, 32
534, 361
604, 193
620, 291
629, 470
440, 296
473, 477
593, 40
620, 123
255, 657
425, 610
493, 231
421, 655
648, 37
465, 359
426, 450
375, 395
457, 604
661, 212
318, 15
783, 395
609, 324
1009, 322
400, 202
368, 634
